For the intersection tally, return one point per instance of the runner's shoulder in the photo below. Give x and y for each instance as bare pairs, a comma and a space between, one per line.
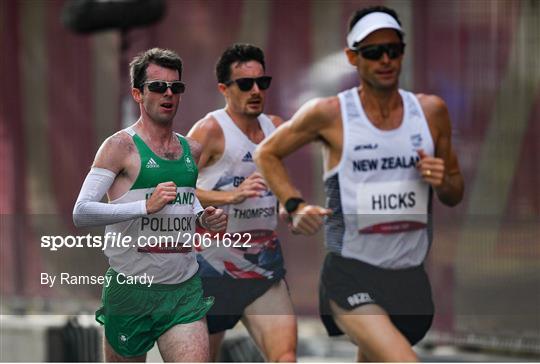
208, 136
114, 151
322, 111
432, 104
120, 142
206, 128
195, 148
435, 110
276, 120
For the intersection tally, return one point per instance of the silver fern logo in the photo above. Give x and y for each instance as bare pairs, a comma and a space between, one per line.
416, 140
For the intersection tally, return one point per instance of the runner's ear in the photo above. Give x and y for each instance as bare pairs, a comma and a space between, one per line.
222, 88
137, 95
352, 56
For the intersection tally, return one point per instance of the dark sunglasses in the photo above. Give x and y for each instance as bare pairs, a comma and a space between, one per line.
375, 51
246, 83
177, 87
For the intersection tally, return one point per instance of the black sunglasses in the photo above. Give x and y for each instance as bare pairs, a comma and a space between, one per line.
177, 87
375, 51
246, 83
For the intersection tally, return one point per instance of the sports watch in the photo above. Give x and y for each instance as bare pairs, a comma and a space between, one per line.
291, 205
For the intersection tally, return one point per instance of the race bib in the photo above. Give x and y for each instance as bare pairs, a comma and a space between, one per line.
171, 229
391, 207
259, 213
165, 233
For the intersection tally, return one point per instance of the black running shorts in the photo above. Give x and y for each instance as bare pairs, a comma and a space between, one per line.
404, 293
231, 297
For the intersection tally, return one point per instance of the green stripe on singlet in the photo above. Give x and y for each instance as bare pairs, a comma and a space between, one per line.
154, 169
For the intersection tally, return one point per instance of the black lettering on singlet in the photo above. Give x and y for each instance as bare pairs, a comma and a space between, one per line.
168, 223
412, 198
182, 198
393, 201
402, 162
254, 213
238, 180
365, 165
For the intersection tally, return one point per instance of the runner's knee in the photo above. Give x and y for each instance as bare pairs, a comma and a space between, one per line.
288, 356
404, 357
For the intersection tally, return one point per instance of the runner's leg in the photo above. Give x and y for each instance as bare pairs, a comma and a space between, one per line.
269, 314
215, 345
370, 328
185, 343
113, 356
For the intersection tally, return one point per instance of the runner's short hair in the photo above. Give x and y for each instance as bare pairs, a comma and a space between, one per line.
158, 56
237, 53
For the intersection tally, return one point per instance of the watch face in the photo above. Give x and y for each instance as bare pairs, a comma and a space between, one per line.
292, 204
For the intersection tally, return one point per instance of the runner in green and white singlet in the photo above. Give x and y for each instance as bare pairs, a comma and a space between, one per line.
149, 173
168, 263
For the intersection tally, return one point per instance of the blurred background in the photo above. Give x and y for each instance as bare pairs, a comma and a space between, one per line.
65, 88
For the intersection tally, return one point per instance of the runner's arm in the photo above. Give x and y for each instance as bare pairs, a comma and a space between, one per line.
310, 123
208, 134
276, 120
451, 189
208, 217
88, 210
304, 127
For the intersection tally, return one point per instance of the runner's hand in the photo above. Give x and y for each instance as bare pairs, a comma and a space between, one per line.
431, 169
213, 219
164, 193
252, 186
308, 219
284, 215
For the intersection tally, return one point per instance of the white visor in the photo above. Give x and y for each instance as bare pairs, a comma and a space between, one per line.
370, 23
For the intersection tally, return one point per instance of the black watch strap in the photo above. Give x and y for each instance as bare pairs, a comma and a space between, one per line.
199, 218
291, 205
